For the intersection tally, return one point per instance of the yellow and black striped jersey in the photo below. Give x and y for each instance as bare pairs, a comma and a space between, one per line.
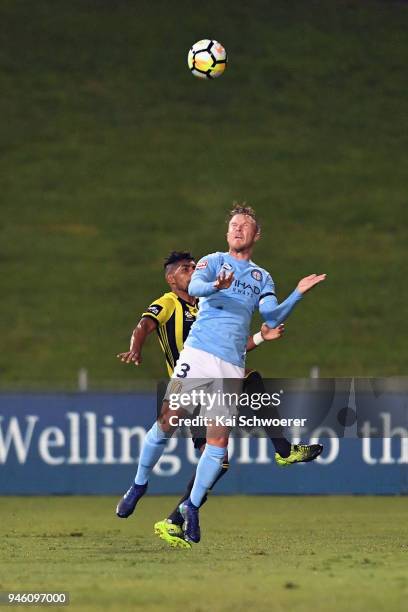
174, 317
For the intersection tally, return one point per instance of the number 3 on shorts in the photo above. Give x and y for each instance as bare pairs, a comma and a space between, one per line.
184, 367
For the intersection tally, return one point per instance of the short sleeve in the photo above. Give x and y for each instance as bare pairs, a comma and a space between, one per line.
160, 310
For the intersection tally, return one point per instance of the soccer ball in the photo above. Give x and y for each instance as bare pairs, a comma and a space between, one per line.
207, 59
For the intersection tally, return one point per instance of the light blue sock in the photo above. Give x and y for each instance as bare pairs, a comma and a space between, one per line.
209, 466
151, 452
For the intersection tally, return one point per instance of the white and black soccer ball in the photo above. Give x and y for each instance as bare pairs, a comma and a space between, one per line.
207, 59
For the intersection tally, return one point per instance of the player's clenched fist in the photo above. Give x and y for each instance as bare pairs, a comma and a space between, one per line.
310, 281
272, 333
224, 280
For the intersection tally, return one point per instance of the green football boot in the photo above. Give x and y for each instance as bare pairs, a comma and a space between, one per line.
172, 534
300, 453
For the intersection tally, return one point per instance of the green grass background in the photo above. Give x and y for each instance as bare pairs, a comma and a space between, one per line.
112, 154
258, 553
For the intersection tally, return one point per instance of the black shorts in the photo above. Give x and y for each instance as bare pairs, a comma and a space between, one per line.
199, 442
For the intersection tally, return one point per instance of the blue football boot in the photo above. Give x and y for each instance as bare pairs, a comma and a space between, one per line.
191, 526
128, 502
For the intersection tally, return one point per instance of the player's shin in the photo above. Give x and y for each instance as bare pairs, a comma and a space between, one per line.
175, 516
152, 450
208, 469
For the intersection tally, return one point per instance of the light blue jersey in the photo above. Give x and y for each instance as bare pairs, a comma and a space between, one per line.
223, 322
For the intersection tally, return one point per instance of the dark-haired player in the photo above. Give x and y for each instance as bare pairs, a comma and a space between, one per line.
172, 316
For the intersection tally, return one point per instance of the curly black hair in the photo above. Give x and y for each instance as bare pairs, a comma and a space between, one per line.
175, 257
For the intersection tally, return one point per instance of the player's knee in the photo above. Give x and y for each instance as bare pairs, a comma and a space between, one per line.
221, 442
168, 419
164, 426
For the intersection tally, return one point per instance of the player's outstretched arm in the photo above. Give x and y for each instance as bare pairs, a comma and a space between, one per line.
134, 355
265, 333
274, 313
307, 283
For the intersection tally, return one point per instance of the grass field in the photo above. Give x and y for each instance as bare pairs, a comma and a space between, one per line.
112, 154
259, 553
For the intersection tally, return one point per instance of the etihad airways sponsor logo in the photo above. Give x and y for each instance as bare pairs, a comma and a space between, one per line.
245, 288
